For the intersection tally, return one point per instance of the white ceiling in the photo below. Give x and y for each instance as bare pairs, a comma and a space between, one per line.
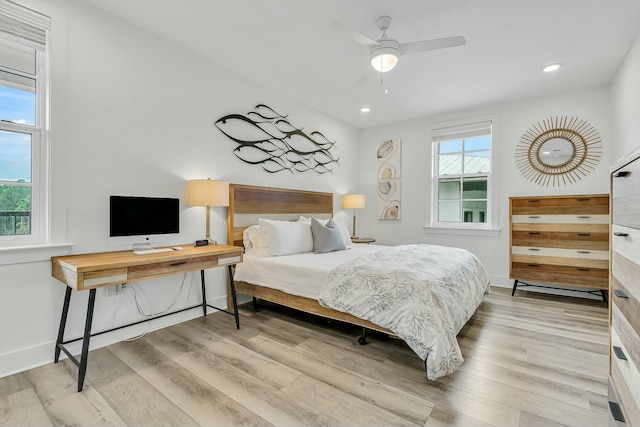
290, 47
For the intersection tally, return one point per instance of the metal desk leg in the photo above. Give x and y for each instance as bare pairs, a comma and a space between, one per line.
233, 297
63, 324
204, 293
85, 341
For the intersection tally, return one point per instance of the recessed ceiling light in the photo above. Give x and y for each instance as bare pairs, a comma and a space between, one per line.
552, 67
365, 109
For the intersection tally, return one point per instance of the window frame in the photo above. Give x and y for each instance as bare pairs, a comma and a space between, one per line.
491, 216
39, 132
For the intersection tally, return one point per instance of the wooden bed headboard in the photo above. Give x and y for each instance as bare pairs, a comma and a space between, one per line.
247, 203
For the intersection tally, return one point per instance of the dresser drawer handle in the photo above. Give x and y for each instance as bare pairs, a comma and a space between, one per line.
534, 232
620, 293
584, 216
621, 174
173, 264
533, 265
584, 252
583, 269
534, 200
616, 412
584, 234
583, 199
534, 216
619, 353
620, 234
534, 249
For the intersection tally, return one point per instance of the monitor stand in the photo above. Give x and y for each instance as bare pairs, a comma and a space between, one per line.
145, 246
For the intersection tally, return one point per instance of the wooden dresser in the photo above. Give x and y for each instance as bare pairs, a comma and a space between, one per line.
560, 240
624, 379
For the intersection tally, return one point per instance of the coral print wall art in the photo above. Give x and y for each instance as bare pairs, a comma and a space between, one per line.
389, 164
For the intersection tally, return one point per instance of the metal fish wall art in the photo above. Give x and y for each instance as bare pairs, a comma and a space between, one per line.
267, 138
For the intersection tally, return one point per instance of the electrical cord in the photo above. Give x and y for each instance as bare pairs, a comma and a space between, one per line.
142, 313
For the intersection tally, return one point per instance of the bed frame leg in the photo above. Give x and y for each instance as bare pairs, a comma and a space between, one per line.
362, 339
254, 302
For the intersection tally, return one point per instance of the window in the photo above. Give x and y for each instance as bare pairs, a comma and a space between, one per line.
23, 124
462, 176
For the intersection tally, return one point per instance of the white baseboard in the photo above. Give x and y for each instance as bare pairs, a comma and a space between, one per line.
42, 354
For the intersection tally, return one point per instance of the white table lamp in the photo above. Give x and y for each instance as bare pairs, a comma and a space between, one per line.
207, 192
353, 201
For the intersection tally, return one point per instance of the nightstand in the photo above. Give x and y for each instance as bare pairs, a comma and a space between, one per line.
363, 240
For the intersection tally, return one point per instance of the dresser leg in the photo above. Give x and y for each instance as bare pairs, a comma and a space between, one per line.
85, 340
515, 285
233, 297
63, 324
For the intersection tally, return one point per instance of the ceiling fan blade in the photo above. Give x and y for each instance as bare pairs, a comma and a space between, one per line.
358, 37
433, 44
366, 74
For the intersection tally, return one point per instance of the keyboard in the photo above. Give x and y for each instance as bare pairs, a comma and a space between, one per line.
152, 251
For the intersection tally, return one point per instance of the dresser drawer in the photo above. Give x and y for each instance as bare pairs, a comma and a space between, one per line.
626, 180
561, 253
594, 204
617, 415
570, 240
580, 219
626, 377
625, 290
172, 267
577, 276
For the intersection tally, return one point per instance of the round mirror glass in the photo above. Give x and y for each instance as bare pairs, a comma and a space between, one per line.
556, 151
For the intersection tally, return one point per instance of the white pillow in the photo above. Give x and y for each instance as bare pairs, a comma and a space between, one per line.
341, 225
254, 240
286, 237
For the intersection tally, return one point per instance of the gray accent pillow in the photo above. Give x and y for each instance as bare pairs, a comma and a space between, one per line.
326, 238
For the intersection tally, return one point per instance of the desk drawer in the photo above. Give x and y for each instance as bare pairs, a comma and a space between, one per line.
184, 265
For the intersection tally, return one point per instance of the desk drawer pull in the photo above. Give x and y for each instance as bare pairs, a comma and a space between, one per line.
619, 353
584, 234
621, 174
178, 263
616, 412
620, 293
620, 234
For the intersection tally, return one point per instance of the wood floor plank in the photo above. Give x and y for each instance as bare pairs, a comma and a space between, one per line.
23, 408
531, 360
403, 404
200, 400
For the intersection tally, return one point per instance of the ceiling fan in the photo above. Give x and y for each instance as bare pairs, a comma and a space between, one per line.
385, 51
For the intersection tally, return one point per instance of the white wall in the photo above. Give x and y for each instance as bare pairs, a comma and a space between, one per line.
134, 115
625, 90
511, 121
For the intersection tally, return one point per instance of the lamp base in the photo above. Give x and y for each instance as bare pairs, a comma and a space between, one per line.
354, 237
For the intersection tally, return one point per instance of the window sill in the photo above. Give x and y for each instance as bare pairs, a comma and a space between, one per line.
462, 231
35, 253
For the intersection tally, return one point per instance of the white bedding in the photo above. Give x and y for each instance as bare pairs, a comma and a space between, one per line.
300, 274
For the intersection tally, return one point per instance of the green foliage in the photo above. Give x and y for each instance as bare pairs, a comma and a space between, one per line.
15, 198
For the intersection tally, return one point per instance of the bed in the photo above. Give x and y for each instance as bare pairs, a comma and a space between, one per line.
374, 287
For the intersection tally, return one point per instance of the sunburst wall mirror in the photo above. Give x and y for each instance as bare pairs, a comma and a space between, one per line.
558, 151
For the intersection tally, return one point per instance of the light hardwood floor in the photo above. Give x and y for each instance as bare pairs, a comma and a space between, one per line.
531, 360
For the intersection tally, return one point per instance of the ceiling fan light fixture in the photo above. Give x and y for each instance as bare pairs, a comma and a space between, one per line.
384, 56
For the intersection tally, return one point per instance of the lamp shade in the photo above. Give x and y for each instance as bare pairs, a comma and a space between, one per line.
207, 192
353, 201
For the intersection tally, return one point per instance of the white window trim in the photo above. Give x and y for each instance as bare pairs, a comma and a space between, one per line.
40, 141
492, 227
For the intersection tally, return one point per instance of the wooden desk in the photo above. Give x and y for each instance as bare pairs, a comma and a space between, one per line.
95, 270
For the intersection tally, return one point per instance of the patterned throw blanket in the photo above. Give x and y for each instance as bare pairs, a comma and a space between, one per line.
423, 293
